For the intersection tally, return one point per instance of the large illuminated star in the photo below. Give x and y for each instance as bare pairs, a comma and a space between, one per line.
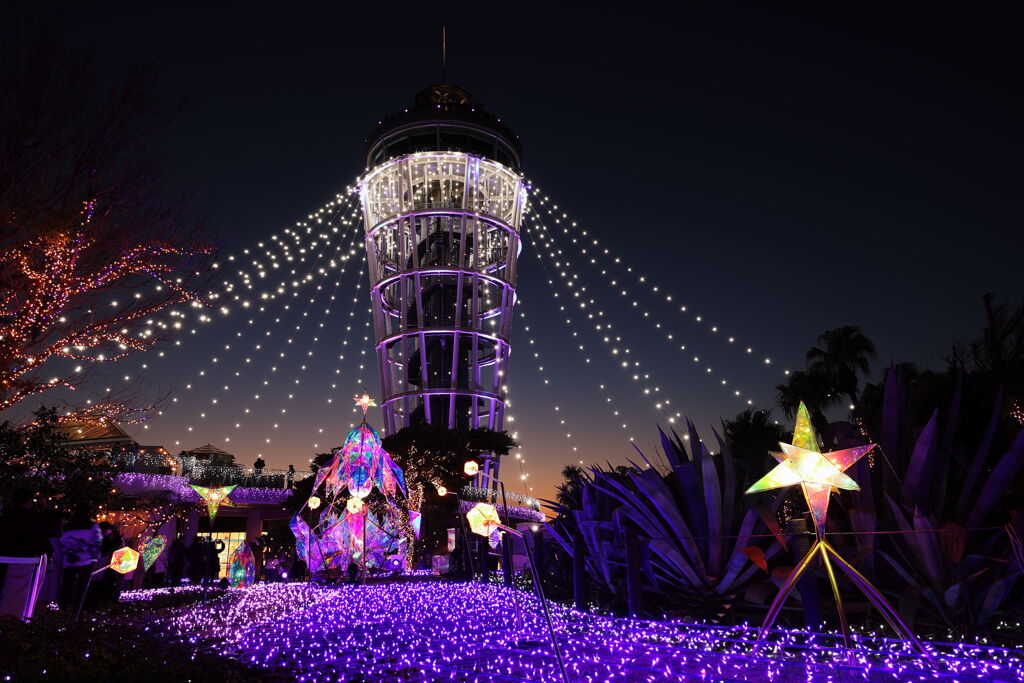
214, 497
802, 462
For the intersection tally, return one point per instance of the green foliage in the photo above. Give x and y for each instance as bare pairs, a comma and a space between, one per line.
432, 455
33, 458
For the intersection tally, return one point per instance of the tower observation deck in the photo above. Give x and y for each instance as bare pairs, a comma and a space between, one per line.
443, 200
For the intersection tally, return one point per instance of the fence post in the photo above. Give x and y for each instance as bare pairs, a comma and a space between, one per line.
506, 558
485, 558
579, 570
538, 557
799, 545
633, 573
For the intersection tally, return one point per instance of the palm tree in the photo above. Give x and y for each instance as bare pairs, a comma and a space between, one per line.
814, 388
842, 355
570, 492
752, 434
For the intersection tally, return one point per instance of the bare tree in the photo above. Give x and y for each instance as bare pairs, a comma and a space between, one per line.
94, 249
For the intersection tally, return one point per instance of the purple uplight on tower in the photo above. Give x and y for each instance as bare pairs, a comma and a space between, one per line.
443, 199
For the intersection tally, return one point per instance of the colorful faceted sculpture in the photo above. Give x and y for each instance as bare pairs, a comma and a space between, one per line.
416, 522
348, 531
124, 560
361, 464
214, 498
242, 567
818, 474
151, 550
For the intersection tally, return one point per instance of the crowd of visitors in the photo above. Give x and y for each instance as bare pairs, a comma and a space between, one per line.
77, 545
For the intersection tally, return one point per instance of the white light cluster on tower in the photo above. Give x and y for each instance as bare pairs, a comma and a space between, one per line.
593, 253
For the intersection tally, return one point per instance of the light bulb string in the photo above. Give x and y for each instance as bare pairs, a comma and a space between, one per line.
318, 292
641, 279
634, 366
260, 345
262, 310
327, 312
345, 335
565, 262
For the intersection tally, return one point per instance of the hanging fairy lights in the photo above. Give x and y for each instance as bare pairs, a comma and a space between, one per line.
573, 280
545, 379
598, 256
344, 253
331, 219
617, 349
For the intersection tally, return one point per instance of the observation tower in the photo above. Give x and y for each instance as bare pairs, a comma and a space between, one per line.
443, 199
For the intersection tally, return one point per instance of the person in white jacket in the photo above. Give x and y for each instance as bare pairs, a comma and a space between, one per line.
79, 549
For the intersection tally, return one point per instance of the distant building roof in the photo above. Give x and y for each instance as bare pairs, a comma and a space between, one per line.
93, 433
208, 449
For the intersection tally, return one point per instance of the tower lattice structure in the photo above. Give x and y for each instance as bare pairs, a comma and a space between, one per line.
443, 200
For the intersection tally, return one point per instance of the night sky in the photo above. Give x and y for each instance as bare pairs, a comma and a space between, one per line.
778, 172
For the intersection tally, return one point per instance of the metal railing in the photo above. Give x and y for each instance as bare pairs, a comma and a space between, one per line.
203, 473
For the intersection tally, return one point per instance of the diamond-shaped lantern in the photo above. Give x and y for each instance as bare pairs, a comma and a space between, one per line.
124, 560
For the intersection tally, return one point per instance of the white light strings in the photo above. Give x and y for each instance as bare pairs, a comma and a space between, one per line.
344, 254
596, 251
617, 348
341, 203
555, 252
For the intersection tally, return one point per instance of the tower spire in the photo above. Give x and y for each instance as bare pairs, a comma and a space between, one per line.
444, 53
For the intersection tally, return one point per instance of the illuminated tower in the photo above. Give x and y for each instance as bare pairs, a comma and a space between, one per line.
443, 199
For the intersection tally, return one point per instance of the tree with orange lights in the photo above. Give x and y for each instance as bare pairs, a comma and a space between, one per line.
94, 249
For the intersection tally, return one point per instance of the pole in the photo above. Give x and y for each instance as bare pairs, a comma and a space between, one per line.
547, 613
579, 570
506, 548
800, 546
633, 590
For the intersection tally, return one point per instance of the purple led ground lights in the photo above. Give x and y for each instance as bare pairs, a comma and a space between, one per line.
431, 631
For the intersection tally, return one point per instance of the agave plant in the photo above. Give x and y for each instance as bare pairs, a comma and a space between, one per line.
946, 565
701, 538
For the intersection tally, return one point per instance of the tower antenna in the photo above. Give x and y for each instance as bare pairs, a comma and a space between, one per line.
444, 53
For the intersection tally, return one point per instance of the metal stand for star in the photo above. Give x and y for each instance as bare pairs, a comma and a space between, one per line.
828, 553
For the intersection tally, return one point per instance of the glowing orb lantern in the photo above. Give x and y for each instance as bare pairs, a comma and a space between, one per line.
471, 468
124, 560
313, 502
355, 506
442, 491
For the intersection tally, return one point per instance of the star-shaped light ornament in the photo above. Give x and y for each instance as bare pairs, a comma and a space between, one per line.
365, 402
214, 498
818, 474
